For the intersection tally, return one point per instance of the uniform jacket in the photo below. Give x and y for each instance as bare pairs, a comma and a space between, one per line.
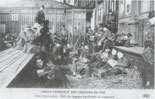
40, 17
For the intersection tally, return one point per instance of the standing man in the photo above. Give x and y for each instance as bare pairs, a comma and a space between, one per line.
45, 37
147, 72
64, 35
88, 34
112, 21
40, 16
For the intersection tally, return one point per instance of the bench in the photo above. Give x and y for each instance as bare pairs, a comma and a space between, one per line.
12, 62
134, 54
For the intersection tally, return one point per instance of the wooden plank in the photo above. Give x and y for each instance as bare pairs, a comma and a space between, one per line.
14, 68
4, 54
5, 64
6, 51
2, 58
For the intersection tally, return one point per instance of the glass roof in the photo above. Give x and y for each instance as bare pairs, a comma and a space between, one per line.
36, 3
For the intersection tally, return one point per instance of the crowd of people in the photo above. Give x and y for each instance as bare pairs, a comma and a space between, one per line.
54, 53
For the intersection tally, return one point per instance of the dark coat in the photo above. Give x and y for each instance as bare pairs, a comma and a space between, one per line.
40, 17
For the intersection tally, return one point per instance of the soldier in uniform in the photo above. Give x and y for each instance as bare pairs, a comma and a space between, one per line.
45, 37
147, 72
40, 16
149, 35
112, 21
88, 35
64, 35
107, 38
98, 36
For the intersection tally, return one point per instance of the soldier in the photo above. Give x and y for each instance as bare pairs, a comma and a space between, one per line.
147, 72
88, 34
40, 16
98, 36
45, 37
99, 33
112, 21
64, 35
107, 39
149, 35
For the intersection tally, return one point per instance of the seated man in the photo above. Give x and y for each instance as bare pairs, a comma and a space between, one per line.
107, 39
147, 72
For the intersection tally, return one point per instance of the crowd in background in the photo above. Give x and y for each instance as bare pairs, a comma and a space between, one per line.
54, 52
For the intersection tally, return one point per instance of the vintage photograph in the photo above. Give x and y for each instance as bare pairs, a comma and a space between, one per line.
77, 44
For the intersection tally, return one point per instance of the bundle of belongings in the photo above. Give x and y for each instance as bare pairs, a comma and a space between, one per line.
110, 64
98, 64
35, 38
123, 39
27, 36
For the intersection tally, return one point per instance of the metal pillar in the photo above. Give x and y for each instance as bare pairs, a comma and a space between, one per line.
72, 21
55, 21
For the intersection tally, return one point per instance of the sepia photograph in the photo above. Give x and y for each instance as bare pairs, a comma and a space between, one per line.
77, 44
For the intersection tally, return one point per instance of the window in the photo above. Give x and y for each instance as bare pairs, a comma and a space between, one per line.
128, 8
68, 1
14, 17
154, 5
112, 6
145, 6
121, 8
